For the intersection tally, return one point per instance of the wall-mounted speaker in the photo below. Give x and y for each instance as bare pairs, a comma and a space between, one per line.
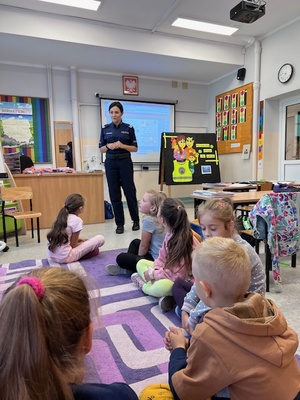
240, 76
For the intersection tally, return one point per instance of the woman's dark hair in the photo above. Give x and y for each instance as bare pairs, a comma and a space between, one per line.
180, 245
116, 104
70, 144
58, 234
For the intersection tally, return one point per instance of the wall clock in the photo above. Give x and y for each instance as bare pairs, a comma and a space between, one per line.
285, 73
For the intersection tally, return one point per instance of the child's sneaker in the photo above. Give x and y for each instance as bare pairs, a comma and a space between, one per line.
166, 303
178, 311
138, 280
114, 269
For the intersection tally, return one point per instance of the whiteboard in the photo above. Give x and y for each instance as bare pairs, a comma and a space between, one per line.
149, 119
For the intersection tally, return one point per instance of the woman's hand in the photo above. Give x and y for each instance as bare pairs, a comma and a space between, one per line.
119, 145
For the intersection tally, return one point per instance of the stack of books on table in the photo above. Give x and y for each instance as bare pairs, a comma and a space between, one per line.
210, 193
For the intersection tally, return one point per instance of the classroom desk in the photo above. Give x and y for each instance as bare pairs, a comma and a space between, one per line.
51, 190
237, 199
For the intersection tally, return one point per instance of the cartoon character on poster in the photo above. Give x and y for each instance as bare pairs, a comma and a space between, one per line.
181, 171
178, 145
191, 153
185, 156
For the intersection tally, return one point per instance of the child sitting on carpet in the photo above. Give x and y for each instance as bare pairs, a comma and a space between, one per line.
153, 234
175, 256
216, 219
64, 245
45, 333
243, 343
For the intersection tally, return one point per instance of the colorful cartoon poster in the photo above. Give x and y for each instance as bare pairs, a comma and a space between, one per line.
233, 132
219, 104
226, 102
242, 114
243, 95
234, 99
225, 118
233, 114
189, 158
225, 133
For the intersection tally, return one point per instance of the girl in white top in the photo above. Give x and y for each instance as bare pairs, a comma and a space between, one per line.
64, 245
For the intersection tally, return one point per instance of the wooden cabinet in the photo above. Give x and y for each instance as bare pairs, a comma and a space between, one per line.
63, 133
51, 190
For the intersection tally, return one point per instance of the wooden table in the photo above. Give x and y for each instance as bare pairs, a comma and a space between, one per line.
51, 190
238, 198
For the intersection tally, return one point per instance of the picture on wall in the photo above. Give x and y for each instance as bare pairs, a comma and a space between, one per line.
189, 158
24, 127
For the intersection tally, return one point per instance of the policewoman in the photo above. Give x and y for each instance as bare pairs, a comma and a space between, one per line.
117, 141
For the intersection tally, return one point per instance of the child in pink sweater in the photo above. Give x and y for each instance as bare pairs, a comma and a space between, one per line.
157, 277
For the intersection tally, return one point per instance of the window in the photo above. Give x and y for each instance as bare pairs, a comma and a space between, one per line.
292, 132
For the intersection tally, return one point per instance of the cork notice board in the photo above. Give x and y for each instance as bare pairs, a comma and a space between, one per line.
234, 119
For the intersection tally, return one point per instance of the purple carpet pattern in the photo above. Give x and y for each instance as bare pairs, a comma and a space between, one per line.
129, 329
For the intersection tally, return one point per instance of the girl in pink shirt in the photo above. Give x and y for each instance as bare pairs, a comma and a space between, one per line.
64, 245
157, 277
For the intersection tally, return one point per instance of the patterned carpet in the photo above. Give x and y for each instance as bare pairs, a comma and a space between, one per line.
127, 344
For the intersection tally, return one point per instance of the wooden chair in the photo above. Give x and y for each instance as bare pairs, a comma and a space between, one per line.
18, 194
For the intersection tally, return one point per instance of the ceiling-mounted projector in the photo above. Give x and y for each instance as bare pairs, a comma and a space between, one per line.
248, 11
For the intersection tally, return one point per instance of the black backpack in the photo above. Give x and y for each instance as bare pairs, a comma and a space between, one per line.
109, 214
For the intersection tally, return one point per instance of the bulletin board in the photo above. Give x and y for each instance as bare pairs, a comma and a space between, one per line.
234, 119
188, 158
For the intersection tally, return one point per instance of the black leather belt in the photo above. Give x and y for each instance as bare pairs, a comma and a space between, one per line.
117, 156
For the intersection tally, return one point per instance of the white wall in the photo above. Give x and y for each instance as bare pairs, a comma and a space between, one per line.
39, 81
276, 50
195, 107
233, 167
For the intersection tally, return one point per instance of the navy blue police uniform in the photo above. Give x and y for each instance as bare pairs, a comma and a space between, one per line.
119, 170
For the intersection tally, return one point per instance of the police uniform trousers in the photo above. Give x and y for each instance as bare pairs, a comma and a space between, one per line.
119, 173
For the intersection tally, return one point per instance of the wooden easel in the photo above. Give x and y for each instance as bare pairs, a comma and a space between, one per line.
195, 161
162, 174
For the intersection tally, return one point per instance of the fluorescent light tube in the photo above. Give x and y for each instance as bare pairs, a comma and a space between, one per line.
204, 26
92, 5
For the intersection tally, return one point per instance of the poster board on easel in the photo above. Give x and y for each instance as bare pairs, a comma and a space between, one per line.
188, 159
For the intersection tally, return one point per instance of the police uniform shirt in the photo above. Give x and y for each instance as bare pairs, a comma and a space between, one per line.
123, 132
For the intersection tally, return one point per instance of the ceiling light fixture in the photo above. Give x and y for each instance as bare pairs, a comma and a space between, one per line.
204, 26
92, 5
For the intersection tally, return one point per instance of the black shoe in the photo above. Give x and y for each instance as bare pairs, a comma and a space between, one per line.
136, 226
120, 229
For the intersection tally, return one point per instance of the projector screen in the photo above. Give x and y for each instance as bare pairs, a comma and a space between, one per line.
149, 120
